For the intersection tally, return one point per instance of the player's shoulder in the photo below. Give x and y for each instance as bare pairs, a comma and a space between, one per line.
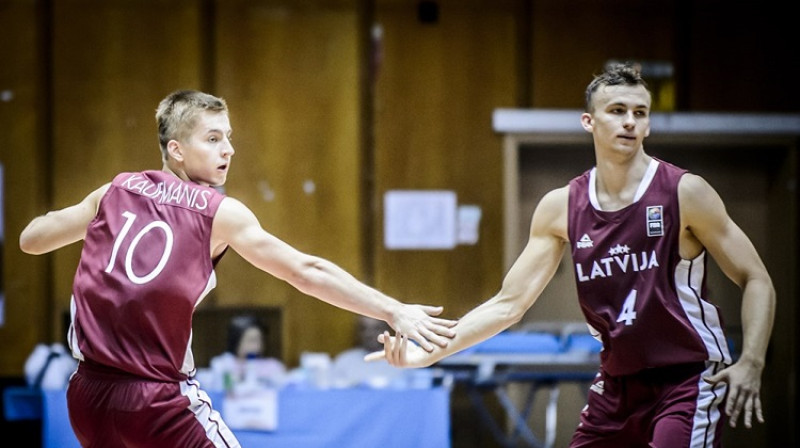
233, 211
697, 198
553, 207
232, 204
558, 195
693, 185
103, 189
98, 194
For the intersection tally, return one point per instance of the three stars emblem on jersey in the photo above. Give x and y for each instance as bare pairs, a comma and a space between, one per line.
655, 220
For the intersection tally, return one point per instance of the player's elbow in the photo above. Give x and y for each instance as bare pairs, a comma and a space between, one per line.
307, 274
29, 244
759, 279
510, 309
515, 315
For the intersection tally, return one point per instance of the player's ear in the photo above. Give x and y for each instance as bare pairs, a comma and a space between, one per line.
175, 150
587, 121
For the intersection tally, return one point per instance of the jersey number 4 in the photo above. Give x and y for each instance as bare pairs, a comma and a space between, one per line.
130, 217
628, 313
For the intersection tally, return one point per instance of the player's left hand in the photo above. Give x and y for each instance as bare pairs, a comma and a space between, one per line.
744, 385
419, 323
399, 353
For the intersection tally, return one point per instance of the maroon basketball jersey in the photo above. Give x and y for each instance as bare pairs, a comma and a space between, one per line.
645, 301
145, 266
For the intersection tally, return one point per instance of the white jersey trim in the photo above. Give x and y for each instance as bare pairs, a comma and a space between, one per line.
703, 315
643, 185
707, 415
72, 338
646, 180
200, 405
188, 367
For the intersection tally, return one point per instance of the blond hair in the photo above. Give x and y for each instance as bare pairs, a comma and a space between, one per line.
176, 114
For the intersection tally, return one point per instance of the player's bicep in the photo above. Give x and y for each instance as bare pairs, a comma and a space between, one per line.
543, 252
705, 216
237, 226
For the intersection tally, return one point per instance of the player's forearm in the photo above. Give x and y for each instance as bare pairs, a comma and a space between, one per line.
328, 282
484, 321
523, 284
758, 314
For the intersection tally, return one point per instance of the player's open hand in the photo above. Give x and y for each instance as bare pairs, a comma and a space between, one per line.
419, 323
398, 352
744, 384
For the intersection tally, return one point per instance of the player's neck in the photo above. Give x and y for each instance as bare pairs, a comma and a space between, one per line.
618, 180
175, 172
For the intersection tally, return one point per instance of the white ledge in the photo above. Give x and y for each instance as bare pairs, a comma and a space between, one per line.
567, 121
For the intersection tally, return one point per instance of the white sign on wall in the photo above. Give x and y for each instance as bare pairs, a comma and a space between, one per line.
420, 219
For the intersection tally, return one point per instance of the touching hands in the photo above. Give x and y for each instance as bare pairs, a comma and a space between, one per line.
744, 384
399, 353
418, 323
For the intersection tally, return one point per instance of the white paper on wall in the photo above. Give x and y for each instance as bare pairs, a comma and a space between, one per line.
420, 219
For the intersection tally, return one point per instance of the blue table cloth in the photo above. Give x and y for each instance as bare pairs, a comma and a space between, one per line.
341, 418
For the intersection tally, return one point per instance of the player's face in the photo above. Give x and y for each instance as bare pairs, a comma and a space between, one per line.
207, 151
251, 343
621, 118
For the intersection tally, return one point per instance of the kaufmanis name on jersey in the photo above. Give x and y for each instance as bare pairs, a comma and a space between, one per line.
177, 192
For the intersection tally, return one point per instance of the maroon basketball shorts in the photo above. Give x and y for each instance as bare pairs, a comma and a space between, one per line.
668, 407
108, 408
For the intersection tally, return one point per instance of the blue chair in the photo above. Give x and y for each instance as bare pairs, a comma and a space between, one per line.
518, 342
583, 343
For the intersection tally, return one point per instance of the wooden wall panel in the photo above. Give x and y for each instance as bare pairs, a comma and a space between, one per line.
741, 56
25, 279
572, 39
437, 86
112, 62
726, 56
290, 74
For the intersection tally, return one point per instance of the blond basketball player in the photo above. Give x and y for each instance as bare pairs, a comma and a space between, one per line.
151, 242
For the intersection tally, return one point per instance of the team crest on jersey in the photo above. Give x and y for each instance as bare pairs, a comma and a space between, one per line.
655, 220
585, 242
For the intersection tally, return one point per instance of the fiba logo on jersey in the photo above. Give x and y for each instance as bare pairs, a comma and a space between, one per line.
655, 220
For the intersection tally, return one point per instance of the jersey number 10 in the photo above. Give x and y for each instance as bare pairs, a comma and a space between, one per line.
130, 217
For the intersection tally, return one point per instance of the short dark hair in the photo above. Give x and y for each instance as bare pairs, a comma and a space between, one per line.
615, 74
236, 328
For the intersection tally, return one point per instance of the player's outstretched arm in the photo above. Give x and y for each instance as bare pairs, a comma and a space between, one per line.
237, 226
62, 227
523, 284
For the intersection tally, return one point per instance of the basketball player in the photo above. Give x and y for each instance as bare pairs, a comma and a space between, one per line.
639, 230
151, 242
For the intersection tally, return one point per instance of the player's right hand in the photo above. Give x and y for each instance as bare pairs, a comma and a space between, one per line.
420, 324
